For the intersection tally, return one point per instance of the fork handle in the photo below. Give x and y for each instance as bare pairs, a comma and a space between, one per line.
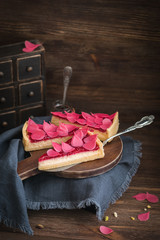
147, 120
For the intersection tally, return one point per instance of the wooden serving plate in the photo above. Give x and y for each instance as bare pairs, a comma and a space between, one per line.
113, 151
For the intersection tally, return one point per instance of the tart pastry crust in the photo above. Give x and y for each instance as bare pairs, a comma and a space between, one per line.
76, 158
43, 144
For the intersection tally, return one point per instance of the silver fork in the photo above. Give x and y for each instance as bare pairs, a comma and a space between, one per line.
147, 120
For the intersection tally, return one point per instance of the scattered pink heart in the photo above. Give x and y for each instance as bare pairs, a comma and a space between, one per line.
105, 230
29, 47
150, 197
144, 216
140, 196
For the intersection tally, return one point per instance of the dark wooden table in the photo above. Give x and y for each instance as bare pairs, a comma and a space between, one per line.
114, 50
83, 223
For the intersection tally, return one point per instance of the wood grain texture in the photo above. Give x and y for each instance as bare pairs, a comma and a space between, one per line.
114, 50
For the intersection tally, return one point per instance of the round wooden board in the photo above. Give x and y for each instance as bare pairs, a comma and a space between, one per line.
113, 152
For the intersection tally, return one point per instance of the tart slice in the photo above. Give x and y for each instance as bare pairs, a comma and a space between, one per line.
84, 146
41, 136
102, 124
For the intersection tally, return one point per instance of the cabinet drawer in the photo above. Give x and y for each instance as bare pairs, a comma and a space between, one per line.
30, 92
7, 99
6, 72
31, 112
7, 121
29, 67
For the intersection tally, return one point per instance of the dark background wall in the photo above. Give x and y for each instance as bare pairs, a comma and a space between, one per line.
112, 46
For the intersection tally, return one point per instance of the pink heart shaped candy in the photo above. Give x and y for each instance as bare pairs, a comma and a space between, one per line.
38, 135
57, 147
62, 130
52, 153
144, 216
67, 148
105, 230
32, 126
76, 141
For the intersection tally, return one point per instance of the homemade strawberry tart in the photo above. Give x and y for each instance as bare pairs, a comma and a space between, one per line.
84, 146
102, 124
41, 136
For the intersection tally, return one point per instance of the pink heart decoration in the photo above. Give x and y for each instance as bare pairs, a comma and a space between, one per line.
79, 133
76, 141
86, 115
91, 144
29, 47
38, 135
84, 131
52, 134
90, 138
59, 114
98, 120
49, 127
71, 127
57, 147
72, 117
81, 121
62, 130
105, 230
140, 196
67, 148
144, 216
102, 115
152, 198
112, 116
52, 153
32, 126
91, 124
106, 123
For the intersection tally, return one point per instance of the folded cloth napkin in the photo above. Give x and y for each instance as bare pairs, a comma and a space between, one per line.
47, 191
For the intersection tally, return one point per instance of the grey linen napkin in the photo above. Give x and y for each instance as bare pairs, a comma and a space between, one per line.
47, 191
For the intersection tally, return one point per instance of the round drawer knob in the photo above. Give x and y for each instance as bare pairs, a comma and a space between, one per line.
29, 69
31, 94
2, 100
1, 74
4, 124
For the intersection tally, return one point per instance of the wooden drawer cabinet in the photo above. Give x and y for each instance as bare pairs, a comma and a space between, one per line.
29, 68
22, 84
7, 99
31, 92
5, 72
7, 121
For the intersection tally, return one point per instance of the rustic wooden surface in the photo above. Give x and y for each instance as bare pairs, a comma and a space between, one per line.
114, 50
